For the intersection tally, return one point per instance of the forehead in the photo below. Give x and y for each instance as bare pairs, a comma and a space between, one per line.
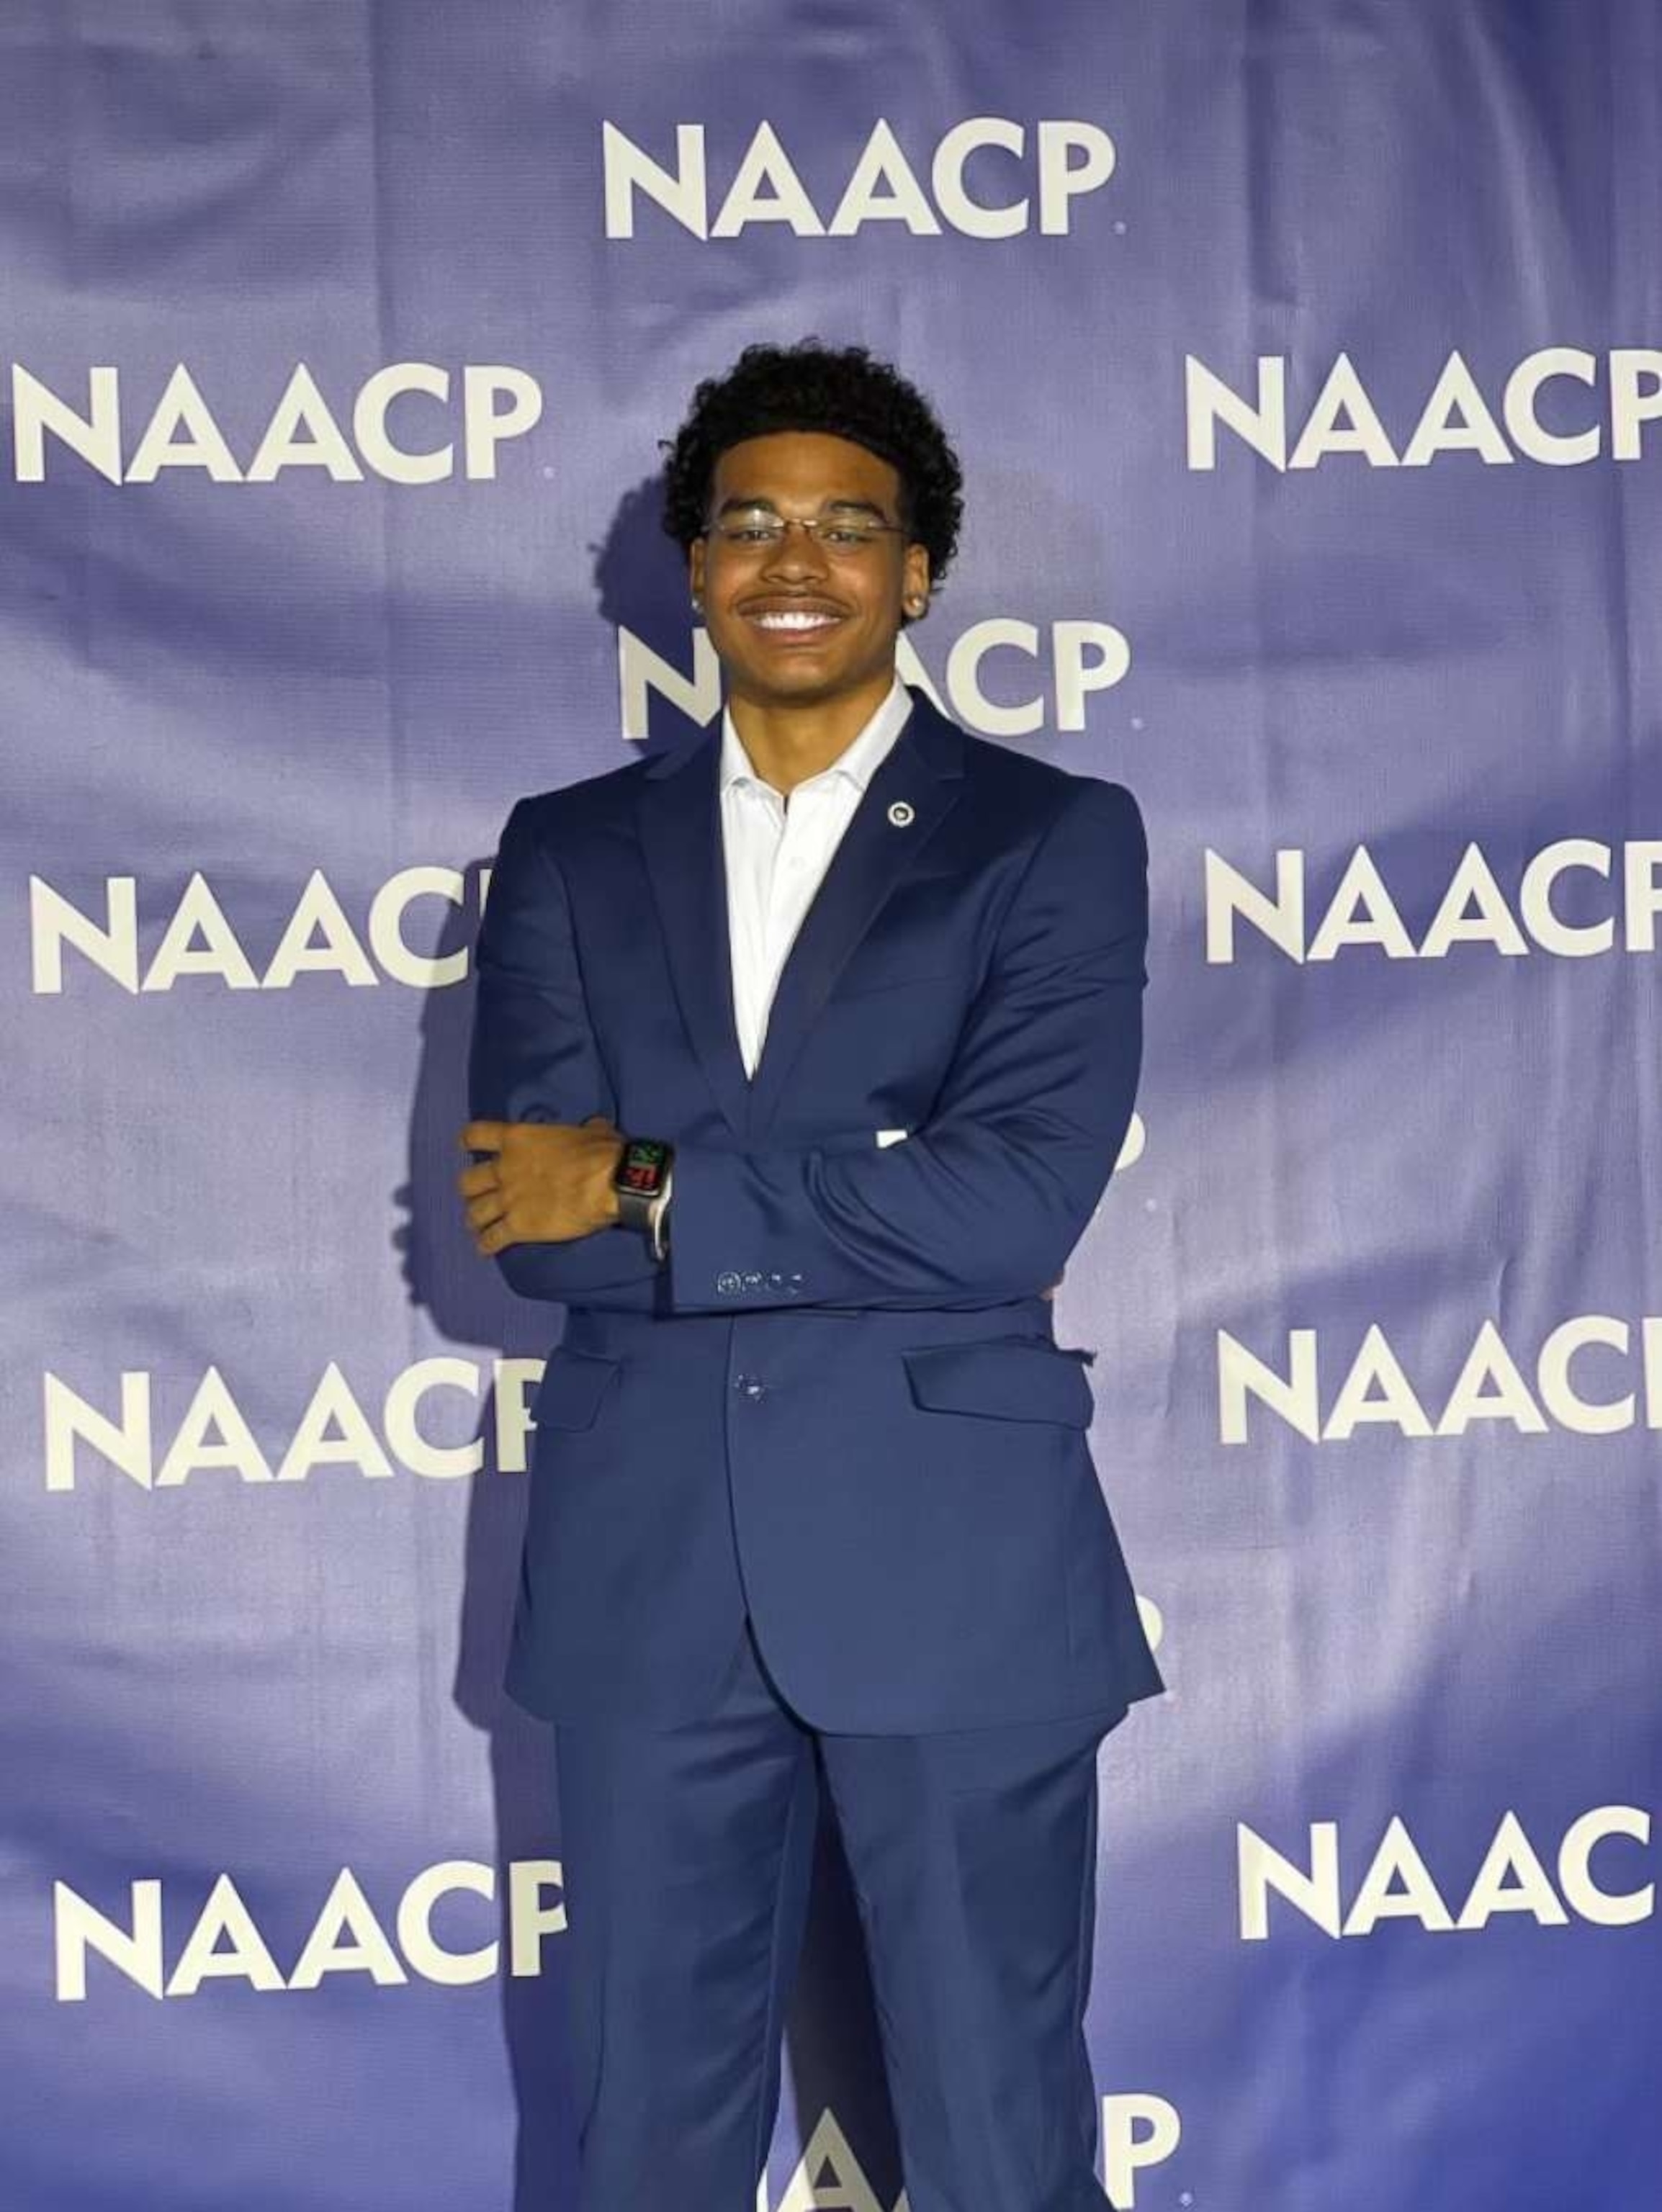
803, 468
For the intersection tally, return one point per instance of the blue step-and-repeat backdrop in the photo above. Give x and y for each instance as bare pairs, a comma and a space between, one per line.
1305, 359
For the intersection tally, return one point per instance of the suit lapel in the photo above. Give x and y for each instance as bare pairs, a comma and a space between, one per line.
920, 780
681, 823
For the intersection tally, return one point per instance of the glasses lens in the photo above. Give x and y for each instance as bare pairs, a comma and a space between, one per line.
760, 528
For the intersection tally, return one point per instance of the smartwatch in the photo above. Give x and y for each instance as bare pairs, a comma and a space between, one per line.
641, 1182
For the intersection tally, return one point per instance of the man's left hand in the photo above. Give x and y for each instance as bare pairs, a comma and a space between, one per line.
546, 1182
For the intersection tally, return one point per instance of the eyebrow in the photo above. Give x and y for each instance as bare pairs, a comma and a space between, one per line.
742, 501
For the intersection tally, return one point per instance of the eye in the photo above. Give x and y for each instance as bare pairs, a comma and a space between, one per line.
848, 535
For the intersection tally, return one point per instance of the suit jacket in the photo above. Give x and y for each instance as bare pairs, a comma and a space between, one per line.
839, 1404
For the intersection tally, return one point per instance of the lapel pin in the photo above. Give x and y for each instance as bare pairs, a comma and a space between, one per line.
901, 815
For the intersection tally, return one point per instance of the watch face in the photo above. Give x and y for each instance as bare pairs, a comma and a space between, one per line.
642, 1167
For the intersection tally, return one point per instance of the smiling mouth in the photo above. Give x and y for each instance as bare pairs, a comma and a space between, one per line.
787, 622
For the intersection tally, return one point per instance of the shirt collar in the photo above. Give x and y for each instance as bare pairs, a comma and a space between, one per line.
859, 760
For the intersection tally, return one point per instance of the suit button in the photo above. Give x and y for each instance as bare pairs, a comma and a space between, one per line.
728, 1285
750, 1386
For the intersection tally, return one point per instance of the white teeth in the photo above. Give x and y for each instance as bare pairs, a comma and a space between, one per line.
804, 620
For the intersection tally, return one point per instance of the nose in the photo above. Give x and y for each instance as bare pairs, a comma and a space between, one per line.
799, 553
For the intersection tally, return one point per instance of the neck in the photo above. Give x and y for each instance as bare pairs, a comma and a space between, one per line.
788, 743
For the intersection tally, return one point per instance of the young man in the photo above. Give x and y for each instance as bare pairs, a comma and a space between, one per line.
803, 1054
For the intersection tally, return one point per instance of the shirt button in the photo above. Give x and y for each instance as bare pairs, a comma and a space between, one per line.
750, 1386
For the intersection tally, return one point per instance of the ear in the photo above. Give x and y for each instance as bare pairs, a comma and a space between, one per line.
914, 575
695, 568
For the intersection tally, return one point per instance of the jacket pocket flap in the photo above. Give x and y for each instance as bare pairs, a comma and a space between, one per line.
574, 1383
1008, 1380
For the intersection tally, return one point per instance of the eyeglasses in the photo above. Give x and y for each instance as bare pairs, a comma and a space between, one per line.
844, 536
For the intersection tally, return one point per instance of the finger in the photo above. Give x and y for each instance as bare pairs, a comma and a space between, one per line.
482, 1211
472, 1180
600, 1121
483, 1136
495, 1238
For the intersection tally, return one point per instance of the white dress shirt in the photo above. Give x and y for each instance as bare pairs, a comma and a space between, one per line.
777, 850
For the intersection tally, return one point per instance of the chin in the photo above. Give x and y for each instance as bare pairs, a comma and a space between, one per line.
801, 682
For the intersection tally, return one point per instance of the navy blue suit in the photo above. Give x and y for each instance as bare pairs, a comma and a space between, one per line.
824, 1473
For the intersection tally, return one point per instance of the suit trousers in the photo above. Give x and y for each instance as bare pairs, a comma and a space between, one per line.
687, 1853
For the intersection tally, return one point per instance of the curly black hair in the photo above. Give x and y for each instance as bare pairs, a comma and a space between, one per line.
839, 389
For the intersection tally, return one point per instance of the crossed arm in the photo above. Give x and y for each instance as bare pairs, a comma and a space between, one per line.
984, 1202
